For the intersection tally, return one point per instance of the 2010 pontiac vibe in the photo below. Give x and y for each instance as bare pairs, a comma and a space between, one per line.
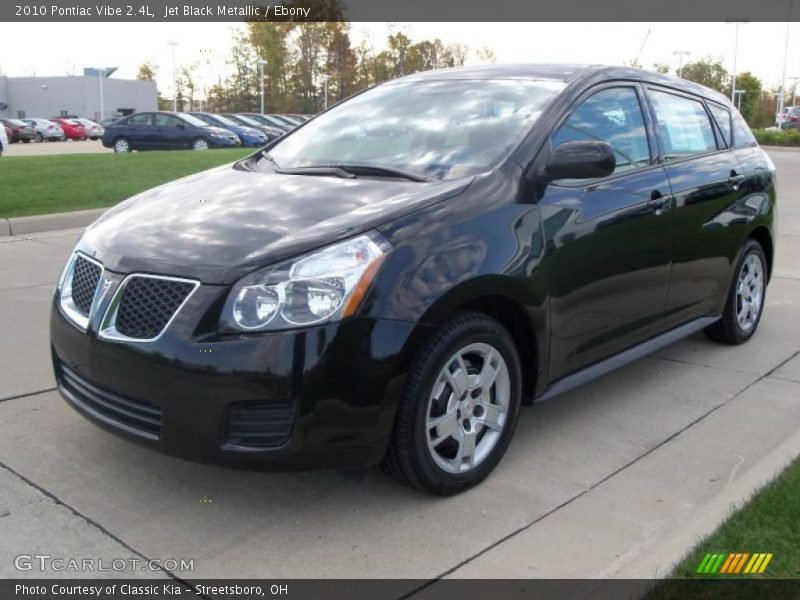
392, 280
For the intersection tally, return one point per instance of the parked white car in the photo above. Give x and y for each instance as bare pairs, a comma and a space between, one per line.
3, 139
93, 130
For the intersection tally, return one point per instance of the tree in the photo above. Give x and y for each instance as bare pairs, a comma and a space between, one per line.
147, 71
486, 55
661, 67
751, 86
708, 72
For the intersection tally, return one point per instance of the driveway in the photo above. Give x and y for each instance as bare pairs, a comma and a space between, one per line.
614, 479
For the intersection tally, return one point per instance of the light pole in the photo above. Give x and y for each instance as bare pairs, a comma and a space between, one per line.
735, 56
325, 103
174, 78
102, 73
781, 100
261, 64
739, 93
681, 54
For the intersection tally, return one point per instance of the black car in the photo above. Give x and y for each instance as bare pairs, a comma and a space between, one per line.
20, 130
271, 121
166, 131
392, 281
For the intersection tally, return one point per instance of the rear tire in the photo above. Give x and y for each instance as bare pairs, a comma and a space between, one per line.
744, 305
459, 408
122, 145
39, 137
200, 144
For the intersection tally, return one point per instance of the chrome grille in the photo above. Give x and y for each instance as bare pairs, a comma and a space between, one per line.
85, 277
147, 305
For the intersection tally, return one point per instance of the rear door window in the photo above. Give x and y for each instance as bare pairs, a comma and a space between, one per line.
143, 119
683, 125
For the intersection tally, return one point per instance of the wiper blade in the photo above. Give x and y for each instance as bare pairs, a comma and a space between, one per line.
364, 169
322, 171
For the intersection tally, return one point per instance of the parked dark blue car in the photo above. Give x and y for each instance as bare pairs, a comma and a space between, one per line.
249, 136
166, 131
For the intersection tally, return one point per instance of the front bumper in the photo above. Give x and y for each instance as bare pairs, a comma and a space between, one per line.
224, 142
183, 394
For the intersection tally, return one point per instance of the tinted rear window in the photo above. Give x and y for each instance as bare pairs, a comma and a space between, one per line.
683, 124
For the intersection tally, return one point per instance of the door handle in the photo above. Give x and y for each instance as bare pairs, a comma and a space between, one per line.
658, 201
735, 179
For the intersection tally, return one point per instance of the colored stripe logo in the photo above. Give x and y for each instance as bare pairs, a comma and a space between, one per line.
734, 563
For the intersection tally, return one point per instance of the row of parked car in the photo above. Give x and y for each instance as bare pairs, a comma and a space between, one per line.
166, 130
789, 118
55, 129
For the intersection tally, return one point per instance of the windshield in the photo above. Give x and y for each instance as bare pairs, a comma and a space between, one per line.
439, 129
247, 121
192, 120
225, 121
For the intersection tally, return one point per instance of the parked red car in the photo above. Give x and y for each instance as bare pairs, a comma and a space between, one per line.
73, 129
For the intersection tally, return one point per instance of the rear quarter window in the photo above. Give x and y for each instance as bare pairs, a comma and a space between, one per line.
742, 136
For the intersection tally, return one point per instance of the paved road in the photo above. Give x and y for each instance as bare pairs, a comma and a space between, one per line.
615, 479
45, 148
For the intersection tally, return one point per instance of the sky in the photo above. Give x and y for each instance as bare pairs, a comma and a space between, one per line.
127, 45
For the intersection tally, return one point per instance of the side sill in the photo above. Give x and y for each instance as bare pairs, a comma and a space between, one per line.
623, 358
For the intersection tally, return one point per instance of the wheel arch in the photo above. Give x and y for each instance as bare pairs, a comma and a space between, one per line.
762, 235
503, 299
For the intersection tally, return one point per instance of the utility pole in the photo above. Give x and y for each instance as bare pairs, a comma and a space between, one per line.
735, 56
174, 78
261, 64
781, 100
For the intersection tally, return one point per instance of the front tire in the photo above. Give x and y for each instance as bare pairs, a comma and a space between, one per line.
745, 300
39, 137
459, 408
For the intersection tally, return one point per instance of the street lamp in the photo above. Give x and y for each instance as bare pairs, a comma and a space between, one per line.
174, 78
781, 100
261, 64
735, 54
738, 94
681, 54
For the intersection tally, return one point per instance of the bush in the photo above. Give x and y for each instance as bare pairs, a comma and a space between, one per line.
776, 137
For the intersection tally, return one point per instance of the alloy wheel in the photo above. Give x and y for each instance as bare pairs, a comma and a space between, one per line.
468, 408
749, 292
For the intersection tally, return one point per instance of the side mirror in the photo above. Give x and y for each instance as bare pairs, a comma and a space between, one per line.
580, 160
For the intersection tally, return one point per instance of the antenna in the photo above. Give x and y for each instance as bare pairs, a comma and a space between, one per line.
644, 41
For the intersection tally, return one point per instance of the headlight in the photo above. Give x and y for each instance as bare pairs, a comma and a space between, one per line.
324, 286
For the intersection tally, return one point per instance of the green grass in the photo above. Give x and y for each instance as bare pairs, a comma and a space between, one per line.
35, 185
775, 137
770, 522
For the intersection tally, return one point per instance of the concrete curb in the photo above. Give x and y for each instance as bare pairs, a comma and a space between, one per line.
39, 223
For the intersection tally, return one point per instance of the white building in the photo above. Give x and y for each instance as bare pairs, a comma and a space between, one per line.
46, 97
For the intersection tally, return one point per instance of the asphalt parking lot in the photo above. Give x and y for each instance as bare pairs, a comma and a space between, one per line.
617, 478
48, 148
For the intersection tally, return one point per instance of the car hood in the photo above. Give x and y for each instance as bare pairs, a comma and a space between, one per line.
223, 223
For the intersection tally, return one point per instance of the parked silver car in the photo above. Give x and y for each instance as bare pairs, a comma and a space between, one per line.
45, 130
94, 131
